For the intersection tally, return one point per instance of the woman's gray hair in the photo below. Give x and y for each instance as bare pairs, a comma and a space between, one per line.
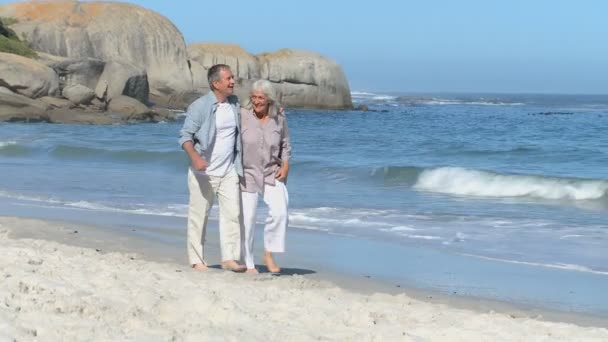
266, 88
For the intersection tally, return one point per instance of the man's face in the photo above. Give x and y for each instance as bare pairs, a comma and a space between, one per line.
225, 85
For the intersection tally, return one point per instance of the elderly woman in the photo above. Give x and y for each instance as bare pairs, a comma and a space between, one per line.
266, 152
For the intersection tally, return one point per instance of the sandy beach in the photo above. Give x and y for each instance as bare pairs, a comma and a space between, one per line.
52, 290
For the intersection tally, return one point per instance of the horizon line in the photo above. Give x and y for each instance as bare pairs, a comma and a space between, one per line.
475, 92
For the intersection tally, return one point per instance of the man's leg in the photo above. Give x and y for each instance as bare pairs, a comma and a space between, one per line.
201, 199
249, 201
277, 199
229, 197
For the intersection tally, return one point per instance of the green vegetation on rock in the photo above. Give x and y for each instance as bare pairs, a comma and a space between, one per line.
9, 42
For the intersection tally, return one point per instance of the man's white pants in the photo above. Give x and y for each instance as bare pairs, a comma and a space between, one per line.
277, 200
203, 190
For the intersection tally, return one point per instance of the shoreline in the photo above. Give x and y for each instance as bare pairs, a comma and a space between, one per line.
146, 245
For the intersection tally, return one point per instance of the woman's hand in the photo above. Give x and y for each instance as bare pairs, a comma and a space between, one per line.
282, 172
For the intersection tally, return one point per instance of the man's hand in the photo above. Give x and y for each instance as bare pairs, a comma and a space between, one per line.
198, 163
282, 172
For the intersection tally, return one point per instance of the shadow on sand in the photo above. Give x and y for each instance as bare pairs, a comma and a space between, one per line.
285, 271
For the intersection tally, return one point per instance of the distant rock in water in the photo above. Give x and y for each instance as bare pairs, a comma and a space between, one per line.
552, 113
305, 77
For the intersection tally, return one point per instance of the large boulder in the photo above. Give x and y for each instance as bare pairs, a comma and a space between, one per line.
26, 76
306, 79
122, 78
107, 31
78, 94
127, 106
204, 55
83, 71
15, 107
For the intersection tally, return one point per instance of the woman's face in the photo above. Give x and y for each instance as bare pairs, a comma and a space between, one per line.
260, 102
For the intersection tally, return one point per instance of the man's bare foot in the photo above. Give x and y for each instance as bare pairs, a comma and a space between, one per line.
233, 266
200, 267
252, 271
269, 262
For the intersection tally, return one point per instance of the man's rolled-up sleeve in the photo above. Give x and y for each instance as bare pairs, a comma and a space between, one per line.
191, 125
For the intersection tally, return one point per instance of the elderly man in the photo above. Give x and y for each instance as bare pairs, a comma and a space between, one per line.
211, 138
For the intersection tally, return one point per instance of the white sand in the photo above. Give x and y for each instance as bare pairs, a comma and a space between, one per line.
50, 291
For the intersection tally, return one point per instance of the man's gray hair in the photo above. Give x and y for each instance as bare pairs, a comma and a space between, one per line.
213, 74
266, 88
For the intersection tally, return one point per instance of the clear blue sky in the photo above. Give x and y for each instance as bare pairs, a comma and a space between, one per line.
546, 46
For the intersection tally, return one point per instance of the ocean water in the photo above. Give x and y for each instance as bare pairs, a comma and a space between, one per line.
516, 178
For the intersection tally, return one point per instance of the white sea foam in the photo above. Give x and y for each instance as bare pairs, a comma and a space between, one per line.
569, 236
361, 93
22, 197
90, 205
7, 143
140, 211
402, 229
310, 218
421, 237
461, 181
562, 266
171, 210
455, 102
383, 97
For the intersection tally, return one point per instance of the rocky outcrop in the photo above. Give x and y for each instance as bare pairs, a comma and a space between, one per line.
55, 102
95, 53
121, 78
18, 108
26, 76
302, 78
107, 31
19, 75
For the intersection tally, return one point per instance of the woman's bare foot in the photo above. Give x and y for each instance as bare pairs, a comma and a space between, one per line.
200, 267
269, 262
233, 266
252, 271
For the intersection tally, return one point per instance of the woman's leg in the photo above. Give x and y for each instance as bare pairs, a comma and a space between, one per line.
277, 199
